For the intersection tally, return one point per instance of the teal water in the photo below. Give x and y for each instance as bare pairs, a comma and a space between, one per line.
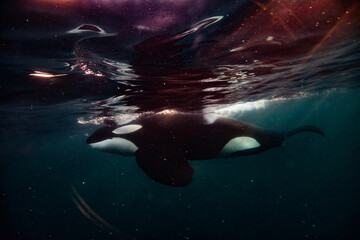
307, 189
69, 67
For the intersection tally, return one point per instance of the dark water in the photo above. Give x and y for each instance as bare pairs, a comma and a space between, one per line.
66, 66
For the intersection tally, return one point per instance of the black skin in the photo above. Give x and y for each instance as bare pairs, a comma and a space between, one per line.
166, 141
196, 139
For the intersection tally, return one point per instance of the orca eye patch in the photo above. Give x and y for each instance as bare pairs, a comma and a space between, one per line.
127, 129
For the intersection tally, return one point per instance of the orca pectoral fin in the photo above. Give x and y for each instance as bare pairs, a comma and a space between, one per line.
167, 166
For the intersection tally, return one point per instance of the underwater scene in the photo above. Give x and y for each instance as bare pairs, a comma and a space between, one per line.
164, 119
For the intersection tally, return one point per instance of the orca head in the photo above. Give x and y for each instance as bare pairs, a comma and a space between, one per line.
241, 145
113, 140
100, 135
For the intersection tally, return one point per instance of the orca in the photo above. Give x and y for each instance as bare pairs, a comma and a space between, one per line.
164, 142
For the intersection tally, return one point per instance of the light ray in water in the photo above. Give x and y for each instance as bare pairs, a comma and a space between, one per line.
343, 20
88, 212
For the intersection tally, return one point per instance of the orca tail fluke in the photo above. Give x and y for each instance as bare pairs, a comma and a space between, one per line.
308, 128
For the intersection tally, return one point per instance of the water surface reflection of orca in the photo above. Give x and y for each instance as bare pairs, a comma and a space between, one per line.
162, 143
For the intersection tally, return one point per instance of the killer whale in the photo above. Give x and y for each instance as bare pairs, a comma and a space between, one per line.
163, 142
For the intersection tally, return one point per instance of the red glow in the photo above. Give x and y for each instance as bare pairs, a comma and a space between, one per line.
55, 1
340, 24
281, 29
